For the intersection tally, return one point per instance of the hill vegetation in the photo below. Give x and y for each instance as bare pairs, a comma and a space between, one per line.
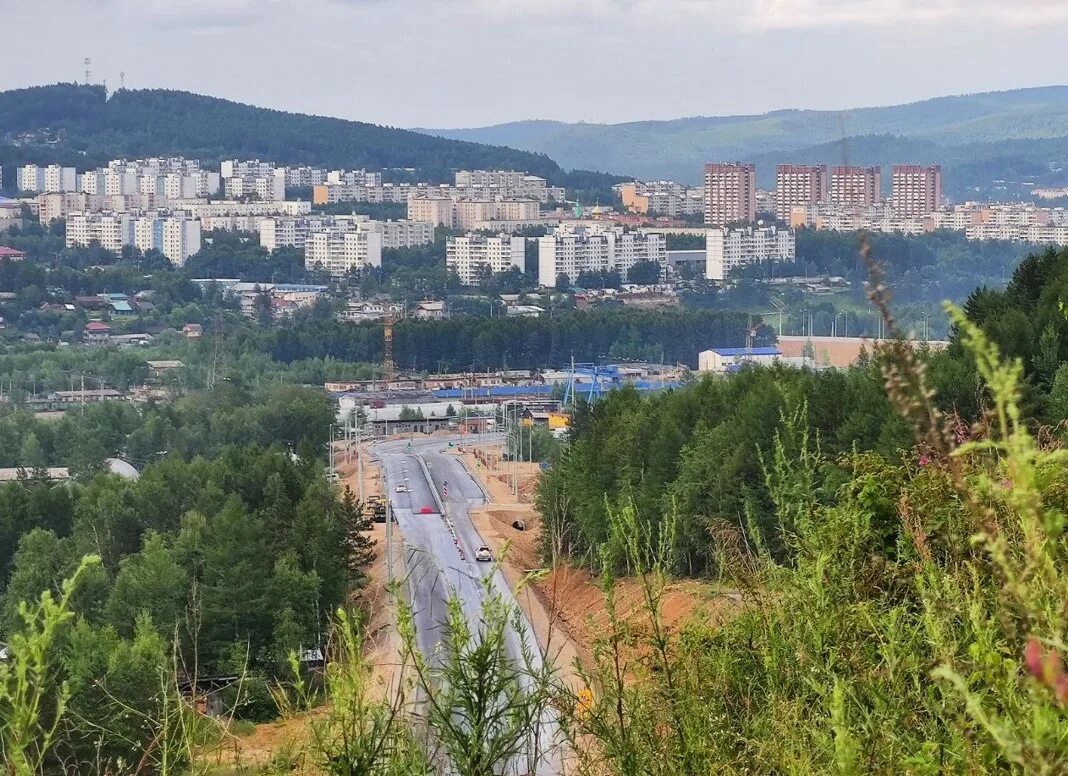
84, 127
1011, 136
893, 564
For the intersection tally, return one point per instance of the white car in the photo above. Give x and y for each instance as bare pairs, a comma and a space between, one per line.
401, 489
483, 554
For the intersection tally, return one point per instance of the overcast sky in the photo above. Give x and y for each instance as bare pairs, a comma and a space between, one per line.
450, 63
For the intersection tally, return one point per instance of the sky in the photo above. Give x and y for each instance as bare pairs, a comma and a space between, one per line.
465, 63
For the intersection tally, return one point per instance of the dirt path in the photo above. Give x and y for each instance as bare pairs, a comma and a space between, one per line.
566, 604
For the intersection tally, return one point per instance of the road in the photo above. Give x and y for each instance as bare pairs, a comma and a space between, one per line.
439, 554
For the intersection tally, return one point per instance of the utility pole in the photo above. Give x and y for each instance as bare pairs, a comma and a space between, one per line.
389, 538
359, 457
330, 449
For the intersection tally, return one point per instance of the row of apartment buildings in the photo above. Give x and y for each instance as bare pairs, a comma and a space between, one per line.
569, 251
979, 221
458, 212
666, 198
573, 249
730, 189
473, 256
175, 178
173, 235
467, 184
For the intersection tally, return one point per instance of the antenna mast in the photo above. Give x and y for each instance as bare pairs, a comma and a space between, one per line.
387, 360
87, 63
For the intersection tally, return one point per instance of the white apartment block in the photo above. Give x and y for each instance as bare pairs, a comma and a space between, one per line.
58, 205
797, 184
52, 178
175, 237
728, 249
571, 251
403, 233
662, 197
249, 224
304, 177
436, 211
464, 213
120, 182
352, 178
281, 232
730, 193
253, 177
224, 207
490, 184
916, 190
111, 230
339, 251
471, 256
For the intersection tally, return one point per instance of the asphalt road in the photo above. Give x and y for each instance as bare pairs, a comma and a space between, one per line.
440, 554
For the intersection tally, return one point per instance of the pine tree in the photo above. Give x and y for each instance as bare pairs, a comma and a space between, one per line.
359, 546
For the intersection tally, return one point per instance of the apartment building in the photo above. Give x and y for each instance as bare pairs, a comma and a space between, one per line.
572, 250
856, 186
726, 250
916, 190
280, 232
472, 256
434, 210
402, 233
110, 230
730, 193
340, 251
463, 213
304, 177
489, 184
245, 178
249, 224
225, 207
52, 178
666, 198
175, 236
799, 184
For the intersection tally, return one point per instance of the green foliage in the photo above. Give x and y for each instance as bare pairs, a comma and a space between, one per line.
925, 268
462, 343
1017, 135
32, 703
695, 451
138, 123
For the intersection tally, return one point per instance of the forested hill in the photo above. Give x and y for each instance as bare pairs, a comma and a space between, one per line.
1018, 136
81, 126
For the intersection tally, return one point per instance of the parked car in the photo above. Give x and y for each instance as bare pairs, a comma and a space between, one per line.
483, 554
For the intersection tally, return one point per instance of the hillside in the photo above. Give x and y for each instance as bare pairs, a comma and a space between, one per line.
978, 137
80, 125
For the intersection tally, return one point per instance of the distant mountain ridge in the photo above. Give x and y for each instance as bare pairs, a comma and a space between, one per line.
82, 126
988, 136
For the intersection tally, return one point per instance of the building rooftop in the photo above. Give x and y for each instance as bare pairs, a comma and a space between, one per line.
769, 351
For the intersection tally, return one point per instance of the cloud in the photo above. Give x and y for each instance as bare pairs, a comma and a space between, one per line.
762, 15
807, 14
205, 15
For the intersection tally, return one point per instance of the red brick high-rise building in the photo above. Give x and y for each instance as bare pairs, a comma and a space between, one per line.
856, 186
730, 193
916, 190
798, 184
